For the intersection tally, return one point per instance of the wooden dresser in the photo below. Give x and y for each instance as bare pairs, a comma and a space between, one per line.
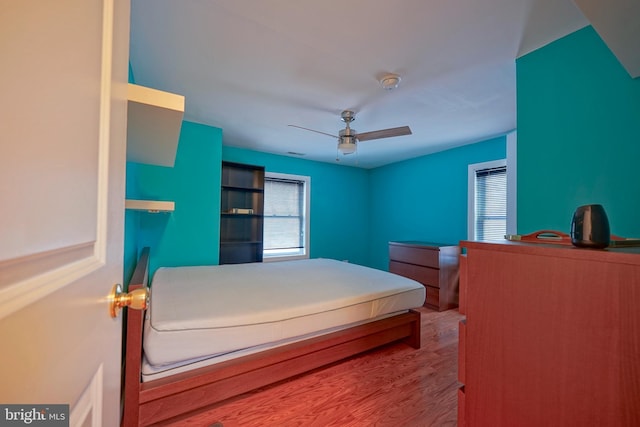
435, 265
551, 336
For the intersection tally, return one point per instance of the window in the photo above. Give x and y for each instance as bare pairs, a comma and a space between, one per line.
488, 200
492, 203
286, 216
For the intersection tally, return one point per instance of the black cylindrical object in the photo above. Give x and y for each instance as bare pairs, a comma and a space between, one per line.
590, 227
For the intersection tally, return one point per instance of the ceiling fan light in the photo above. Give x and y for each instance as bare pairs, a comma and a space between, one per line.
347, 145
390, 81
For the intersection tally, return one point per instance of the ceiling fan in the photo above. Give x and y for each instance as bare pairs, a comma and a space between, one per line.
348, 138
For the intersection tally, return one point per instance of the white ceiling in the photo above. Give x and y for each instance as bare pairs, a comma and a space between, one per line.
251, 67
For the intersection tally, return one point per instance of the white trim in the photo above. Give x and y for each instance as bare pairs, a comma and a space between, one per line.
512, 183
104, 129
471, 192
307, 215
277, 258
89, 406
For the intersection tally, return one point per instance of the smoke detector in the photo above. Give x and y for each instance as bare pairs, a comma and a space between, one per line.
390, 81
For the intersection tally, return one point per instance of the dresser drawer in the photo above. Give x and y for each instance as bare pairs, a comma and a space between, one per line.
415, 255
424, 275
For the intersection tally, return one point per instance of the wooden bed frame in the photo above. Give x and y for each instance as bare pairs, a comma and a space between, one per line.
154, 401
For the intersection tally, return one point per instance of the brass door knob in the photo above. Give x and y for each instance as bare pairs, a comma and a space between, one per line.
137, 299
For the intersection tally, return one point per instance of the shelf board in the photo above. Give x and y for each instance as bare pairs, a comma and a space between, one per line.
154, 122
240, 188
240, 215
152, 206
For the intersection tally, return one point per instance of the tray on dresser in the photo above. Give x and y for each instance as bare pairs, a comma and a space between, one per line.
560, 238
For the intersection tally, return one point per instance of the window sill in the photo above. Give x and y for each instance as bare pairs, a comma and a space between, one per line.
276, 258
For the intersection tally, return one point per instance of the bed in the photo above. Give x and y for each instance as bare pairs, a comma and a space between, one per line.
193, 347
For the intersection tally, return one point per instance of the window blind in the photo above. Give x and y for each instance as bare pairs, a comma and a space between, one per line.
491, 203
283, 214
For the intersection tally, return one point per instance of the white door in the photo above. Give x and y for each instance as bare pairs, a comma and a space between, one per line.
63, 73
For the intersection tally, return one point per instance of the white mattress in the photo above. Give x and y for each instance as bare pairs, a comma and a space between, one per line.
200, 312
151, 372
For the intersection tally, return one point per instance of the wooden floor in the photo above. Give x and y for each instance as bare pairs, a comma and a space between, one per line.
392, 386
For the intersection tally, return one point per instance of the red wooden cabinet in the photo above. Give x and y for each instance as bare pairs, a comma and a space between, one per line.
551, 336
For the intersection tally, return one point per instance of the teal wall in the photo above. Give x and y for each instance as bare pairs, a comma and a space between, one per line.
424, 198
354, 212
578, 135
190, 234
339, 202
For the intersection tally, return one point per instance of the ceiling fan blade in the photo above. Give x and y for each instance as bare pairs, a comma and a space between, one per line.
316, 131
384, 133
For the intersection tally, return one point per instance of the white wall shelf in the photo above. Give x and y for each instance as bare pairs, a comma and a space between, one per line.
153, 206
154, 122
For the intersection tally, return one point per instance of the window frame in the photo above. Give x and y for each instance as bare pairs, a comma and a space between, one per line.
511, 163
306, 216
472, 173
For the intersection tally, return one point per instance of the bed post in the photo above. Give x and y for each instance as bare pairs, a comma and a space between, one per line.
414, 340
133, 347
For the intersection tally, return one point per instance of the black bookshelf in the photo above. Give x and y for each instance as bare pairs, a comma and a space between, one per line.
241, 213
